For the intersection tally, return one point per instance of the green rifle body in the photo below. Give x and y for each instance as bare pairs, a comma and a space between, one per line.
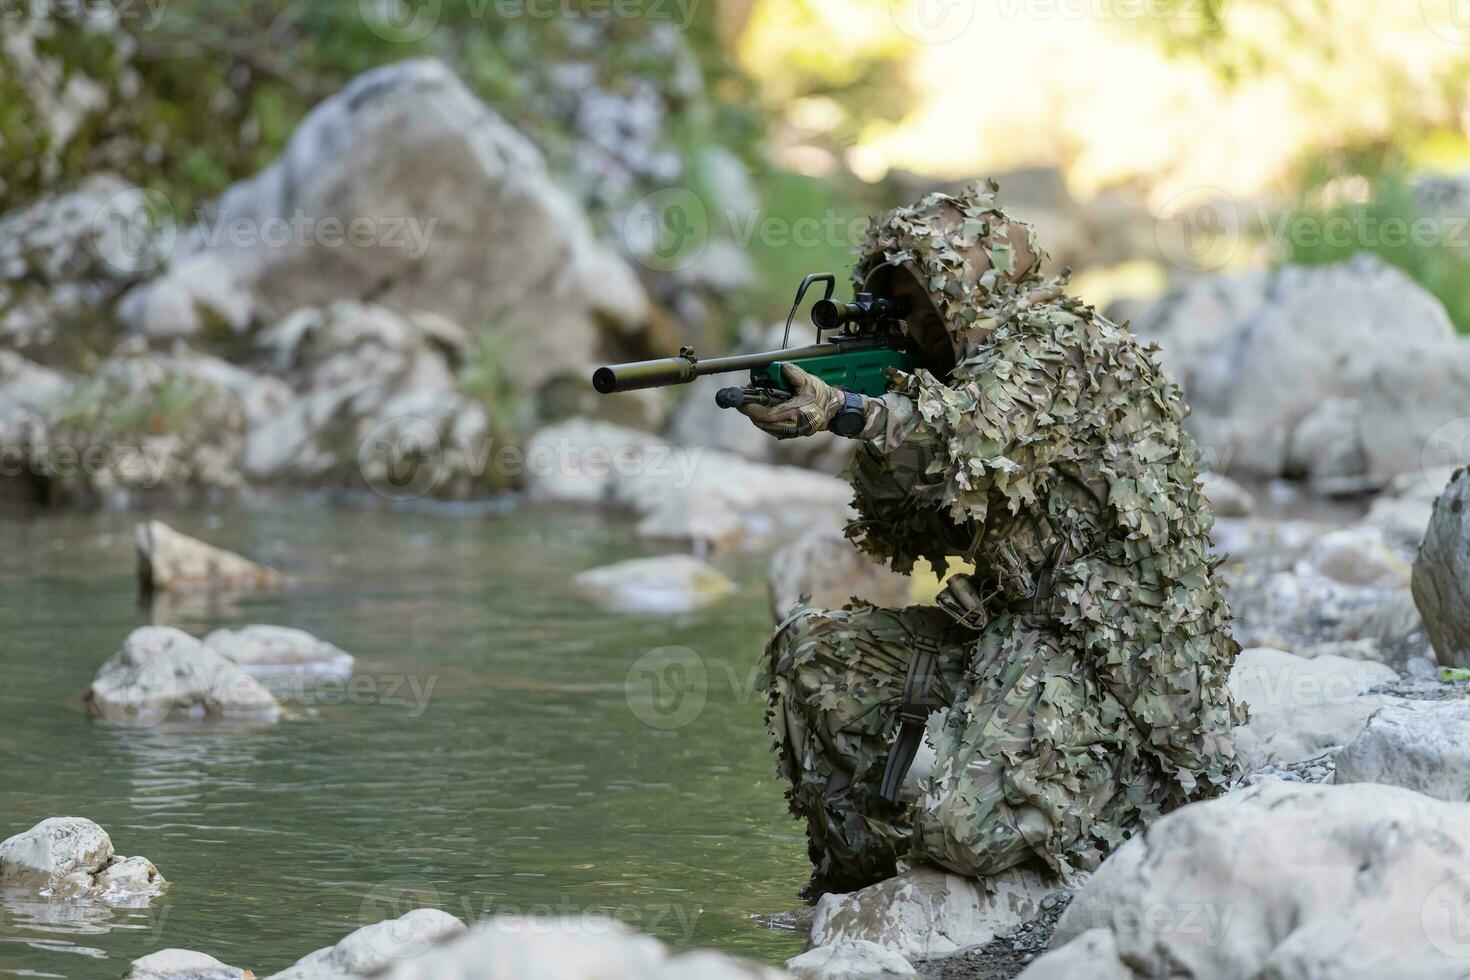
862, 371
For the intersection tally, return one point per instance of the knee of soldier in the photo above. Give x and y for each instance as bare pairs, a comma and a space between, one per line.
794, 640
976, 837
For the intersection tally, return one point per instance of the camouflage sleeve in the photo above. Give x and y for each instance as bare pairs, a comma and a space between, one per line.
890, 421
998, 428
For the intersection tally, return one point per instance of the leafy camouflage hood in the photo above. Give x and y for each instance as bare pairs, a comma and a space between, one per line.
953, 258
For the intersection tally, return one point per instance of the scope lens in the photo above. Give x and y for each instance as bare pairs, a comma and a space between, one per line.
826, 314
604, 381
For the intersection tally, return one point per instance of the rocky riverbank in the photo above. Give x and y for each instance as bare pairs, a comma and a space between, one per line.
407, 302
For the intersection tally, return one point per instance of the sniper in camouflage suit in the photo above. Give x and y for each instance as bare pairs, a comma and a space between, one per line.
1073, 687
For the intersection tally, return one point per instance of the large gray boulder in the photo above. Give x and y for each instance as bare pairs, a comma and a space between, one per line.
1419, 745
1337, 373
377, 947
1300, 708
1442, 574
163, 674
73, 858
1280, 880
926, 912
568, 948
411, 191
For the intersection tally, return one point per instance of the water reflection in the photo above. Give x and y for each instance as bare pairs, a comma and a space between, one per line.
495, 760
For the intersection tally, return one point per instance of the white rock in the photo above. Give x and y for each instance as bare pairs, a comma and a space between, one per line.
164, 674
829, 569
1419, 745
1094, 955
1356, 556
1441, 581
24, 384
198, 291
1401, 519
1300, 708
697, 524
568, 948
71, 857
1283, 880
925, 912
665, 584
1227, 498
145, 427
454, 213
1326, 445
772, 500
1288, 370
377, 406
857, 960
183, 964
576, 461
376, 947
64, 259
1255, 537
170, 561
271, 651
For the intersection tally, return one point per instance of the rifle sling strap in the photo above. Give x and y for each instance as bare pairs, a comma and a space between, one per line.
913, 712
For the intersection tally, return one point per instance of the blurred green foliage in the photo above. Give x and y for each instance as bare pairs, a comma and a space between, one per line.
210, 90
1344, 208
808, 224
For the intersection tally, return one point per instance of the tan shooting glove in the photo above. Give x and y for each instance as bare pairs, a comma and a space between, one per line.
810, 408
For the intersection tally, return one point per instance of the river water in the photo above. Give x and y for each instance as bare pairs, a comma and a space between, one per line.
503, 747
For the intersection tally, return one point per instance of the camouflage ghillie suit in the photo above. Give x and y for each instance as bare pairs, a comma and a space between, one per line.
1088, 692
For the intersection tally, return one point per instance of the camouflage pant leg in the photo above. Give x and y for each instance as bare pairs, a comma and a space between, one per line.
1029, 761
834, 680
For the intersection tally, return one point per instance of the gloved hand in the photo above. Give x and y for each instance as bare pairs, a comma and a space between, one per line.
963, 602
808, 410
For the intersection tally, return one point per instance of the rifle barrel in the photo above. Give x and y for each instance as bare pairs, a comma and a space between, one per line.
681, 370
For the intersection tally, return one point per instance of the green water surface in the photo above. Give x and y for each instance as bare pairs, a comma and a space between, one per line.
504, 746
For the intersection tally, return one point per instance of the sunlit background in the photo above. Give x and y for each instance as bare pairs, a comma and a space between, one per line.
1105, 115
